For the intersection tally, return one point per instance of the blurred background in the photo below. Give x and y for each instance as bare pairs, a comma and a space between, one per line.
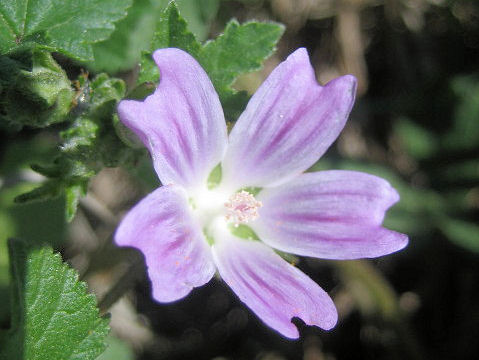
415, 123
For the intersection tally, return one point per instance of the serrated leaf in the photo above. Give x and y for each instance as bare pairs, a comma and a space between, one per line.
66, 26
241, 49
53, 316
171, 31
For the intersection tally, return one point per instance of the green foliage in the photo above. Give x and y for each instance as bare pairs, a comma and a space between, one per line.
89, 144
171, 31
132, 35
35, 91
241, 49
449, 161
53, 316
199, 14
66, 26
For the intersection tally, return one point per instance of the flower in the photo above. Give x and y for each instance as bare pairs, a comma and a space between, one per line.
186, 229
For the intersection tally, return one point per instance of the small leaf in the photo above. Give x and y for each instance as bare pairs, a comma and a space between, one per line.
53, 316
171, 31
241, 49
199, 14
67, 26
73, 194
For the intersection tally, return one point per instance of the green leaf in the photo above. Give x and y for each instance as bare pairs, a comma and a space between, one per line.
66, 26
73, 194
241, 49
132, 35
53, 316
36, 94
171, 31
199, 14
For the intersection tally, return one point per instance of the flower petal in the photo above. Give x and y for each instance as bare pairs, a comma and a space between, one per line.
273, 289
329, 214
176, 253
182, 123
288, 124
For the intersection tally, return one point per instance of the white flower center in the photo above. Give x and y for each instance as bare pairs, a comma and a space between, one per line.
216, 204
241, 208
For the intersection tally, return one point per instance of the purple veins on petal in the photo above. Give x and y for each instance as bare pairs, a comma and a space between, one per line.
181, 123
329, 214
288, 124
273, 289
177, 255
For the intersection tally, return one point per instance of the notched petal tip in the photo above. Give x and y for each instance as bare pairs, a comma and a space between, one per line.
345, 87
182, 122
272, 288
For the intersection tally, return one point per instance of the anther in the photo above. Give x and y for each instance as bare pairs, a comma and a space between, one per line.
241, 208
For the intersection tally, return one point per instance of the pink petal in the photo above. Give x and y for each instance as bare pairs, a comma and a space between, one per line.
329, 214
182, 123
273, 289
288, 124
176, 253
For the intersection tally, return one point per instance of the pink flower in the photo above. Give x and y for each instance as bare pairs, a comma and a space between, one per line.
184, 227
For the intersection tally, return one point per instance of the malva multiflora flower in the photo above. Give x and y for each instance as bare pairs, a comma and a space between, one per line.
188, 229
